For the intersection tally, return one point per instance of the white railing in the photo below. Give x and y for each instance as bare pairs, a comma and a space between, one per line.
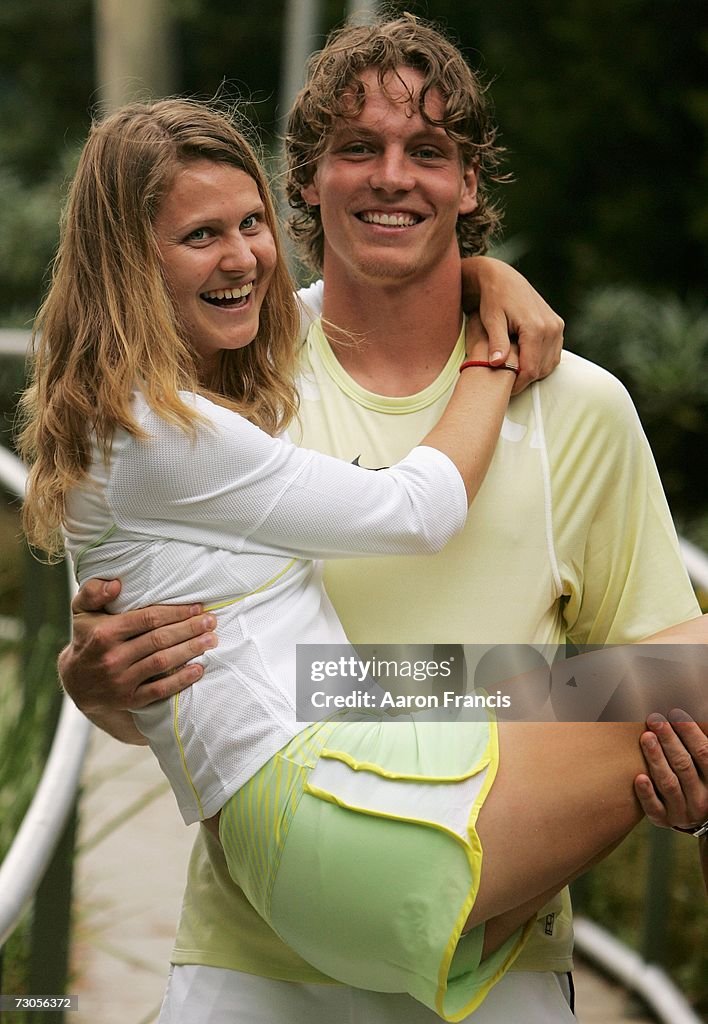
627, 967
26, 862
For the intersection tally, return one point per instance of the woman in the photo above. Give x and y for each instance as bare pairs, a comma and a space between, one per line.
164, 368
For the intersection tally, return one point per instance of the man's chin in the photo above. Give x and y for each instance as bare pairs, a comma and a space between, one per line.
379, 269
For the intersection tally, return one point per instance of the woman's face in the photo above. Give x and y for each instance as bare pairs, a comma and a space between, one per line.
218, 255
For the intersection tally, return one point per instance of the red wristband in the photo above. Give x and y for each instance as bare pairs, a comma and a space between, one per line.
491, 366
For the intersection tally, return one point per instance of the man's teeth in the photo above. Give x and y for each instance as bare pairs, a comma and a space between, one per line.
391, 220
229, 293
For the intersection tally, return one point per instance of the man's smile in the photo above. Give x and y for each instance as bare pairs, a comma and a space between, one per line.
394, 218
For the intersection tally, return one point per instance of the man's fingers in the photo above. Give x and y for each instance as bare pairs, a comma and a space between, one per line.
677, 775
692, 736
167, 686
147, 666
651, 804
94, 595
145, 621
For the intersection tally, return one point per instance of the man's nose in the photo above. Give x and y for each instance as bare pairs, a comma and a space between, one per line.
392, 172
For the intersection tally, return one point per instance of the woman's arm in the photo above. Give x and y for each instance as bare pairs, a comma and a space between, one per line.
233, 483
509, 307
501, 305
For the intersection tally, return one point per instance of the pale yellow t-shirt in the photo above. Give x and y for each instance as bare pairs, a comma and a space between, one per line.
569, 537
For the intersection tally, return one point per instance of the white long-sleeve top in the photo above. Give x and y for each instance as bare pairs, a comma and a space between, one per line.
232, 517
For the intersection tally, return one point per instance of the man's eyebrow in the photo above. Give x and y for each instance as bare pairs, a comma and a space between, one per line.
355, 131
346, 128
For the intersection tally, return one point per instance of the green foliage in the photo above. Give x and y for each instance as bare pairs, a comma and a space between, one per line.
29, 227
47, 88
658, 346
235, 56
607, 128
47, 81
28, 702
33, 625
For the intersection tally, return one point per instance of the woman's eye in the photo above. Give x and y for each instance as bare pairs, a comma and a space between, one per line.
198, 235
249, 222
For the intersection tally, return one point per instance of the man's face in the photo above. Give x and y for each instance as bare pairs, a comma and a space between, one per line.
390, 186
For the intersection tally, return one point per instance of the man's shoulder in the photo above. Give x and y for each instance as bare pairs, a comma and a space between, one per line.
579, 387
578, 371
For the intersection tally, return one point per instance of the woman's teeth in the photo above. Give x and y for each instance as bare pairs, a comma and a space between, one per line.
228, 296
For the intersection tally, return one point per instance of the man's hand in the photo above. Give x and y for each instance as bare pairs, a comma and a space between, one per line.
508, 305
675, 793
123, 662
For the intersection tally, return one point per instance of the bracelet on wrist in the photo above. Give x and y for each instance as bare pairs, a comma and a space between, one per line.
699, 831
490, 366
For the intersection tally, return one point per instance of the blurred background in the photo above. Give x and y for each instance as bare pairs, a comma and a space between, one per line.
603, 108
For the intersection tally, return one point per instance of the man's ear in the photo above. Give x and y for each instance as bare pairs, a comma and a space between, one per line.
310, 192
468, 198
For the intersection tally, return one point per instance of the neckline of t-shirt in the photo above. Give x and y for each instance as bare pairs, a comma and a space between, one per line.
393, 405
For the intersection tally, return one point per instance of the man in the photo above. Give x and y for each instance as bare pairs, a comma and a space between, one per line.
389, 145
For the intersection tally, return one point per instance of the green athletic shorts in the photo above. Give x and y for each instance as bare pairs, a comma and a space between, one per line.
356, 842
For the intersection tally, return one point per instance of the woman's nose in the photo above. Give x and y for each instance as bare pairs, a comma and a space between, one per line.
237, 255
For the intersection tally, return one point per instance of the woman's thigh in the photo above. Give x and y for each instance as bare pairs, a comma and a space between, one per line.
562, 796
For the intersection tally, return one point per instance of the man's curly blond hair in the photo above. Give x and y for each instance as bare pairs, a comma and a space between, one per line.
333, 89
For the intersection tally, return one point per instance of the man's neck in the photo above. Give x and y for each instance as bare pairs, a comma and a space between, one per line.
393, 338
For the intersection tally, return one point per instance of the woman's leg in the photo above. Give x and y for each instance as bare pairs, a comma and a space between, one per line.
563, 794
498, 929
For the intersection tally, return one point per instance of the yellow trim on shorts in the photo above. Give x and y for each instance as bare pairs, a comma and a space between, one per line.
376, 769
475, 855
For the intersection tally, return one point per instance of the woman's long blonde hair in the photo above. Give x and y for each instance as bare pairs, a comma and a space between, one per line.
108, 323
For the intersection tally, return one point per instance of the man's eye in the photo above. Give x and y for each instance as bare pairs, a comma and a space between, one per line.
355, 148
427, 153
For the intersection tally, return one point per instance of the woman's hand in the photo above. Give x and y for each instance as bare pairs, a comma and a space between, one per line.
508, 306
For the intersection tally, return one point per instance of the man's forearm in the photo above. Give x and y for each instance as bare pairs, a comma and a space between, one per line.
120, 725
